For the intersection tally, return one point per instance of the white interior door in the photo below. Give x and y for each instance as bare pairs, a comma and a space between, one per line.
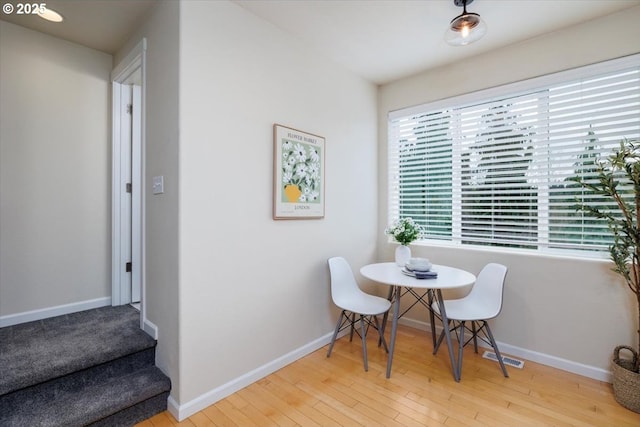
136, 194
127, 190
129, 77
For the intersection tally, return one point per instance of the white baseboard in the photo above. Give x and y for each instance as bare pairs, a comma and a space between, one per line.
150, 328
180, 412
44, 313
534, 356
557, 362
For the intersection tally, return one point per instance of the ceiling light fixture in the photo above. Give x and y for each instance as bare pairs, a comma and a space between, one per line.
465, 28
50, 15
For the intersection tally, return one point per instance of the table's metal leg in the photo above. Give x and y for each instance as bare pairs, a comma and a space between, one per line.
447, 334
460, 348
394, 327
390, 294
386, 314
363, 334
432, 318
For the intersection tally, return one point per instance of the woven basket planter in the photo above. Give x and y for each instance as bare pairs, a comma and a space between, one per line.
626, 382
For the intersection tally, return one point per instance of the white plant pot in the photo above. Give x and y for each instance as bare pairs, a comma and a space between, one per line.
403, 254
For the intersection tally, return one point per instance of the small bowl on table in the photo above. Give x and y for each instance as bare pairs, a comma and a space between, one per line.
418, 265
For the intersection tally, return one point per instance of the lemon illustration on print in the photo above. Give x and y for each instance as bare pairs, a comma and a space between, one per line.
292, 192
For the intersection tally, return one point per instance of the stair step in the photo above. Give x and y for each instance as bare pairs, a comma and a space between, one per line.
35, 352
80, 380
135, 414
122, 399
94, 367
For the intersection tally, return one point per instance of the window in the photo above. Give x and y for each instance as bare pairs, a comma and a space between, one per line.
492, 167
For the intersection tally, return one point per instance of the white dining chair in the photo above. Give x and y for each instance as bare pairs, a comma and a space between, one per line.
483, 302
348, 296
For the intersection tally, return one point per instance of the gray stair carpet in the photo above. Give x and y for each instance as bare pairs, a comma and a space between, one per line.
94, 367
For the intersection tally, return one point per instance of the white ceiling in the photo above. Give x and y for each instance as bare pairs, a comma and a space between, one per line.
381, 40
104, 25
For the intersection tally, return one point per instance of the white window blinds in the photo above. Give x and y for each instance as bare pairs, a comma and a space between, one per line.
492, 168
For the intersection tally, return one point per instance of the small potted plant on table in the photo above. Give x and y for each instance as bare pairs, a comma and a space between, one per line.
404, 231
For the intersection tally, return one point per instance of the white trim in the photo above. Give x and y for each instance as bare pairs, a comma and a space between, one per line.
530, 355
45, 313
519, 86
134, 60
180, 412
150, 328
557, 362
115, 199
143, 156
137, 199
563, 125
120, 252
130, 63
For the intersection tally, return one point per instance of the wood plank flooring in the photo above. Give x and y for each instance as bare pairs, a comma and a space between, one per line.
336, 391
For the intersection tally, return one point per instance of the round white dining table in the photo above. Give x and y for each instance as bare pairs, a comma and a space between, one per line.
388, 273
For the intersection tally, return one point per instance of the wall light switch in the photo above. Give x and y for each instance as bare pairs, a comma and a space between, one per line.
158, 184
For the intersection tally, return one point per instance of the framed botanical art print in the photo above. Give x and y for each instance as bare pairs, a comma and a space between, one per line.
298, 178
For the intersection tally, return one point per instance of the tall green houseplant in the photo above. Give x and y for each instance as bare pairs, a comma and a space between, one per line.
618, 179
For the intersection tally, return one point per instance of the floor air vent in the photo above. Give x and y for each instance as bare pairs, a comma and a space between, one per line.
506, 359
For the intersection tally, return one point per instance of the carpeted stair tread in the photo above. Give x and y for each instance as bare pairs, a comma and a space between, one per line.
92, 368
59, 403
135, 414
80, 380
35, 352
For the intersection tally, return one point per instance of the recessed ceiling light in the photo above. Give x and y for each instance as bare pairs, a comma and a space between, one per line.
50, 15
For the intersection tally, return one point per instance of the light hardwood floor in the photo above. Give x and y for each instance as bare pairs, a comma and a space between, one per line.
335, 391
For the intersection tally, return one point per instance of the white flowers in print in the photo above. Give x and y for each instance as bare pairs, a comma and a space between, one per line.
301, 167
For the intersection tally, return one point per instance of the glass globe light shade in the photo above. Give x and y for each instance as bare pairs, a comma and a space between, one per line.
464, 29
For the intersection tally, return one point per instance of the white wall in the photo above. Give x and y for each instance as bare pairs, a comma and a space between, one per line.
230, 289
161, 30
55, 226
570, 309
253, 289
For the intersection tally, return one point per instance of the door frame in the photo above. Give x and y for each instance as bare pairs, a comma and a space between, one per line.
135, 60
